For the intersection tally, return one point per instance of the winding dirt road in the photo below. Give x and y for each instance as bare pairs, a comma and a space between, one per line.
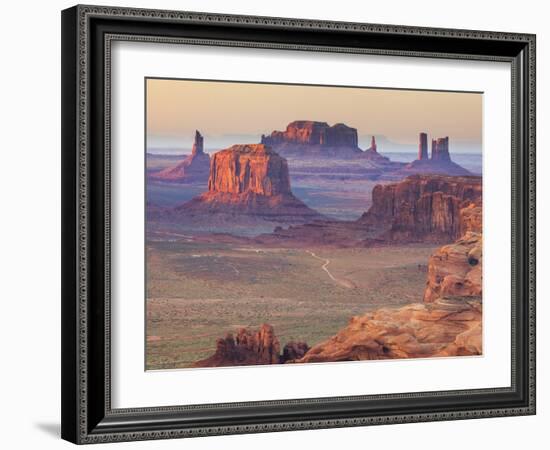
340, 281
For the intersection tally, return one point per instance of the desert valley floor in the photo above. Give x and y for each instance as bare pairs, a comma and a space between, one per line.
197, 291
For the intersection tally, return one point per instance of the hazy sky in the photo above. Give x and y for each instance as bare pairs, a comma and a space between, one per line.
229, 113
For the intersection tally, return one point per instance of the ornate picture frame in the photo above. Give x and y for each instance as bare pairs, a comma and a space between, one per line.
88, 33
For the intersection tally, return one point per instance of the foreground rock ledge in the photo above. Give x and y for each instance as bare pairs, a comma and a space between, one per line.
447, 327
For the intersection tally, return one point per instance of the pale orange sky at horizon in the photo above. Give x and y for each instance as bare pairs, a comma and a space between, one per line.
176, 108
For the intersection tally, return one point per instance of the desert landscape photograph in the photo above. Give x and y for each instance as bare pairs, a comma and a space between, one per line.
292, 224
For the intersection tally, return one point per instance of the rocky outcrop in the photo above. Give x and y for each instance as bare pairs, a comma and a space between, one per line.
249, 168
250, 180
425, 208
422, 146
293, 351
439, 163
446, 327
314, 133
195, 167
314, 139
440, 149
456, 269
372, 154
471, 218
252, 348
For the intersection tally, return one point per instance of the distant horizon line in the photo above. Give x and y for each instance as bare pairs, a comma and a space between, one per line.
206, 150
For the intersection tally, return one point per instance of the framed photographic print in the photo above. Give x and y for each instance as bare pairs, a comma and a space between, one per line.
280, 224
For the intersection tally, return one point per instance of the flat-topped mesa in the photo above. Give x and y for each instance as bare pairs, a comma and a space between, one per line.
440, 149
311, 138
194, 168
314, 133
249, 180
422, 146
432, 208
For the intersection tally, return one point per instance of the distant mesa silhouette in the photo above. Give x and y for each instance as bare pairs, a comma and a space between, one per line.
250, 180
195, 167
314, 139
440, 161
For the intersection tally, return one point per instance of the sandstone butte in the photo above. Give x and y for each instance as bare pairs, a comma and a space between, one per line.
421, 208
438, 163
195, 167
447, 323
433, 208
319, 139
250, 180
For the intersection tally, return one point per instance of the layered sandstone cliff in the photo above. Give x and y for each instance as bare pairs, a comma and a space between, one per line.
425, 207
250, 180
195, 167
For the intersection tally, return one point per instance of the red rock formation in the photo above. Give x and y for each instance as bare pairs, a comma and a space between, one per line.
471, 218
250, 180
372, 154
198, 145
314, 133
440, 149
455, 269
423, 207
246, 348
310, 138
422, 146
293, 351
195, 167
439, 163
253, 348
447, 327
249, 168
373, 144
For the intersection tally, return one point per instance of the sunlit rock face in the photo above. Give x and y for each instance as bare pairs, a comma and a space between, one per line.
426, 207
250, 180
253, 168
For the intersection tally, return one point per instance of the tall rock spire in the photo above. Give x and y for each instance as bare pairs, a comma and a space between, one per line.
373, 144
440, 149
198, 144
195, 167
422, 146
